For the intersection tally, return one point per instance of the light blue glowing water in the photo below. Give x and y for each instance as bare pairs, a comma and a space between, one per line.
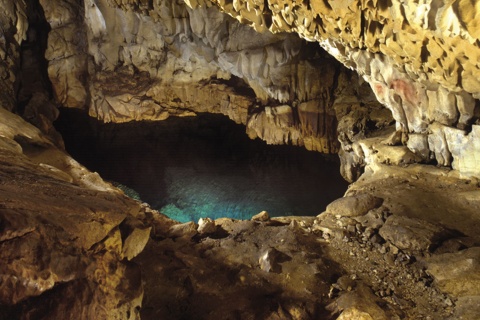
205, 166
193, 195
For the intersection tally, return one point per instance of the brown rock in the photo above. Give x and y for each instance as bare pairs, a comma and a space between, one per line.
188, 229
411, 234
262, 216
458, 273
353, 206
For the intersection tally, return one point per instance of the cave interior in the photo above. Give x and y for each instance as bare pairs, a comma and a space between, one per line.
250, 160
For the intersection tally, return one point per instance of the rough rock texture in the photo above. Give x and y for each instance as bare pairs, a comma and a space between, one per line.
419, 59
135, 61
72, 246
66, 236
13, 22
131, 60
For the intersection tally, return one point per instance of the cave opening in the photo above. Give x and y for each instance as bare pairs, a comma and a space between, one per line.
203, 166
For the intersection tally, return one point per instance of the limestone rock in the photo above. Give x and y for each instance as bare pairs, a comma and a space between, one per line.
385, 49
172, 60
206, 226
418, 144
354, 206
270, 260
457, 273
262, 216
360, 303
374, 219
354, 314
186, 230
135, 242
14, 25
61, 234
411, 234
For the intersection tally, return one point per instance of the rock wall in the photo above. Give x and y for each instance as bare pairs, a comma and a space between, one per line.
419, 58
13, 23
66, 236
128, 61
133, 61
392, 248
138, 60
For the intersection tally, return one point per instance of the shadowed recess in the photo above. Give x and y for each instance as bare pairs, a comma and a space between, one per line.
203, 166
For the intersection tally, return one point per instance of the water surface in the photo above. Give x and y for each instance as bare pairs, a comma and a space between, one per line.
204, 166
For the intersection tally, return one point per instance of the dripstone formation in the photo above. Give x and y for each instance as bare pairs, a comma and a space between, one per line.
391, 86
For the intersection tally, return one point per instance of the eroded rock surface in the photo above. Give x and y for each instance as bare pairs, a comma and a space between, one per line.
404, 241
77, 248
135, 61
416, 57
66, 236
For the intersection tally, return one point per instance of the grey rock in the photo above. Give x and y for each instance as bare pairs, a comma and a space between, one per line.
373, 219
271, 259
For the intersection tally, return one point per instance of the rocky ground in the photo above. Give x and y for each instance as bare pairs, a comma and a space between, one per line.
402, 244
366, 257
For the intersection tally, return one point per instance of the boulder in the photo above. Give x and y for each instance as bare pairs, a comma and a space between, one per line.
457, 273
411, 234
262, 216
354, 206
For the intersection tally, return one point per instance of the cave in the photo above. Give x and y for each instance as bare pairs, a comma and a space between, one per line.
203, 166
239, 160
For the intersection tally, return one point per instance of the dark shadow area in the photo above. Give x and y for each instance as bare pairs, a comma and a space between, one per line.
203, 166
33, 75
222, 279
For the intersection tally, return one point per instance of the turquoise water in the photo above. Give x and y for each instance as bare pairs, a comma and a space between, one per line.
204, 166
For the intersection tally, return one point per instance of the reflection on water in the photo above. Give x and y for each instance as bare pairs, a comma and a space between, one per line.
204, 166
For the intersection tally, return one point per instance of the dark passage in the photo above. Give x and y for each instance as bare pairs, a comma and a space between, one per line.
203, 166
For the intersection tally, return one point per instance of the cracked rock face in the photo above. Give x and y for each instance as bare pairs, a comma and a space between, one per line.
133, 61
418, 58
404, 241
66, 237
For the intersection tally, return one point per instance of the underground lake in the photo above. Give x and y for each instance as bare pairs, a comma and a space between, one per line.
203, 166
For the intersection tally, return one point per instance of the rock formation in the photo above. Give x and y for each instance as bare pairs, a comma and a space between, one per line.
148, 62
402, 243
416, 57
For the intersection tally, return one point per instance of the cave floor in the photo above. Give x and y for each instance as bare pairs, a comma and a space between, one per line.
326, 266
402, 244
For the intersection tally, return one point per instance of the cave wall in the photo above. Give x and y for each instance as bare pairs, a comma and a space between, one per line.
133, 61
419, 58
67, 238
149, 60
13, 22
